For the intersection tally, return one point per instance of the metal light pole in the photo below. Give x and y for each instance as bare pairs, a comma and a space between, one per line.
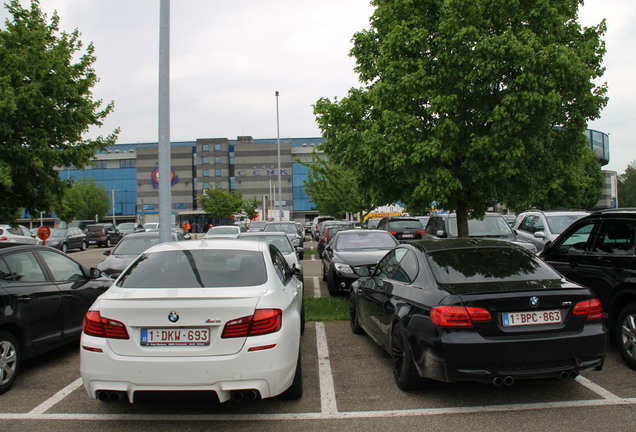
165, 198
280, 183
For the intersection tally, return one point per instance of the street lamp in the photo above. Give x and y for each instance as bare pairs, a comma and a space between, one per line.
280, 183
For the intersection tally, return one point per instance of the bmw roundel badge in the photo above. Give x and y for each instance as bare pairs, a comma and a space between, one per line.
534, 301
173, 316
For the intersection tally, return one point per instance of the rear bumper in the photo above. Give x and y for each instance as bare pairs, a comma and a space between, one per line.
269, 372
466, 356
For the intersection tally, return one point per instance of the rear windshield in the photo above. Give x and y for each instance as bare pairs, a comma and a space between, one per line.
196, 268
488, 226
281, 227
405, 224
135, 245
365, 240
281, 242
488, 265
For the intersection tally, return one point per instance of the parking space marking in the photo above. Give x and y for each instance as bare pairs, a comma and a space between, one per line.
316, 287
327, 390
606, 394
44, 406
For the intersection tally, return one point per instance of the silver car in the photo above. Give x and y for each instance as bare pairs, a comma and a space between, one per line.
282, 243
540, 227
11, 234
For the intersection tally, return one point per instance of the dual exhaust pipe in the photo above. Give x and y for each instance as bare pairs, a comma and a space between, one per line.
110, 395
566, 375
244, 395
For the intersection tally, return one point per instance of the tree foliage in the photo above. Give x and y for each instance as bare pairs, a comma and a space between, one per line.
46, 105
469, 103
220, 203
336, 190
627, 186
84, 200
250, 207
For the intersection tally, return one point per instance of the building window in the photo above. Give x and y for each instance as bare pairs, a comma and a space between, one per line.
217, 173
206, 186
217, 147
149, 206
206, 160
206, 147
127, 163
217, 159
206, 173
219, 185
100, 165
180, 206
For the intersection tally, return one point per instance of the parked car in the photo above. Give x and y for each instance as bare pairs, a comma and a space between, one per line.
126, 228
67, 238
491, 226
283, 244
102, 234
328, 234
225, 318
289, 228
402, 227
476, 310
539, 227
307, 227
350, 250
151, 225
11, 234
44, 295
81, 224
598, 251
315, 225
128, 249
372, 223
224, 231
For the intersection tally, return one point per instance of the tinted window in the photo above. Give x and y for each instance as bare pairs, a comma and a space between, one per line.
615, 237
62, 267
404, 224
196, 268
5, 273
24, 267
575, 241
364, 240
487, 265
280, 265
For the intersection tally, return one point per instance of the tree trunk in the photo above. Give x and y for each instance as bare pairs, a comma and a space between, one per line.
462, 220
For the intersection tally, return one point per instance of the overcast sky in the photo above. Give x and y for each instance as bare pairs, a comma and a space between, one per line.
229, 57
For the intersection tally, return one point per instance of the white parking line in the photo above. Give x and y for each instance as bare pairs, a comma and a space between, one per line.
327, 391
596, 388
316, 287
44, 406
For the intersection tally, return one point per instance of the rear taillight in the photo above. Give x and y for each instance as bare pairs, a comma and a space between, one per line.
420, 233
96, 325
393, 232
264, 321
593, 309
458, 316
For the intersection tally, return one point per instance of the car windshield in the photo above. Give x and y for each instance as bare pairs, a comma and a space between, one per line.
134, 245
558, 224
288, 228
223, 230
255, 224
196, 268
280, 241
126, 226
488, 226
478, 265
364, 240
58, 233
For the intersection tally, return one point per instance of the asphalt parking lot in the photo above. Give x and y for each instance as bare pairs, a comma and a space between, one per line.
348, 386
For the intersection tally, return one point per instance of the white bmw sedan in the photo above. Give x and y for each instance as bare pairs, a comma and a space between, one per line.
221, 317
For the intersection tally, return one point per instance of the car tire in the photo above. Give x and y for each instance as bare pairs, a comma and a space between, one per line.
301, 256
404, 371
10, 356
302, 319
324, 273
626, 334
64, 247
295, 391
332, 285
83, 246
353, 316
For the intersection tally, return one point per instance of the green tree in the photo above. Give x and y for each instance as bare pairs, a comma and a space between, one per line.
250, 207
46, 105
336, 190
220, 203
627, 186
84, 200
468, 102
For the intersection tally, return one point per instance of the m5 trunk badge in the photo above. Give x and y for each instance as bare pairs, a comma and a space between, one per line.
173, 317
534, 301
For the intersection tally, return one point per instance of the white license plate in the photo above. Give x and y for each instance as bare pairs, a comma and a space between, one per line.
175, 336
531, 318
408, 235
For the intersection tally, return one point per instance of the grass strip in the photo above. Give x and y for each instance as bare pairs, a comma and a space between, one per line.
326, 308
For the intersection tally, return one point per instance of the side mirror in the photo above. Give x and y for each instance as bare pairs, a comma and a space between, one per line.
440, 233
539, 234
106, 252
94, 273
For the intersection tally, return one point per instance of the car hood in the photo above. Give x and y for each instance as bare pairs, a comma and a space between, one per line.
115, 263
360, 257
